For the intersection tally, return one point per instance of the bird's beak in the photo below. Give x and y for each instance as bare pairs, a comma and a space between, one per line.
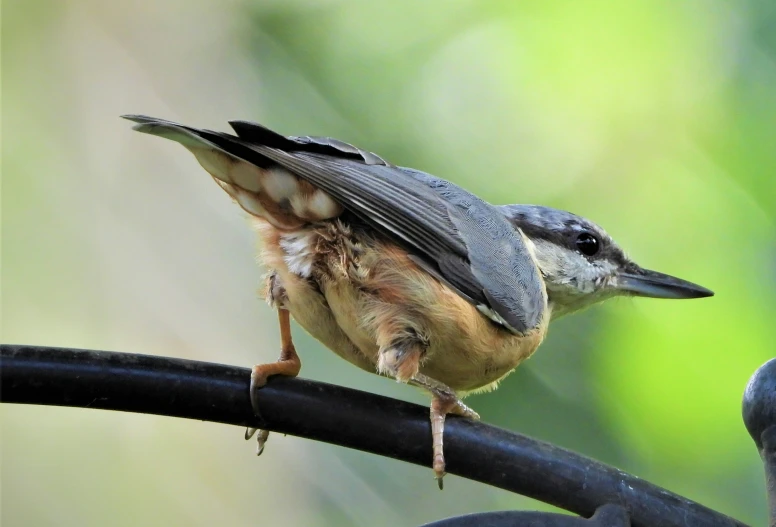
643, 282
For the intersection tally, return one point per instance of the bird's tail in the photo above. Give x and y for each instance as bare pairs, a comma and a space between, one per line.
257, 184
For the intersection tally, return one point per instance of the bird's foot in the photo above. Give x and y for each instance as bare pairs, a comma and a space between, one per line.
288, 365
444, 401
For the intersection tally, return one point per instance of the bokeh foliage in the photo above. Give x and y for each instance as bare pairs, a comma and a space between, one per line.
656, 119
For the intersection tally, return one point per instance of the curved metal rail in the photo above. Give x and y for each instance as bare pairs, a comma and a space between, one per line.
354, 419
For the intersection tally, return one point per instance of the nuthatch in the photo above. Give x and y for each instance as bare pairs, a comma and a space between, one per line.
404, 274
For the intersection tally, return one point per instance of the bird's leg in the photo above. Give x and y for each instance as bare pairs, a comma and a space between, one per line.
288, 364
401, 359
445, 392
444, 401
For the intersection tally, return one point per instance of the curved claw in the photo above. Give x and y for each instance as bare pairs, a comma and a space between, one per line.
249, 432
464, 411
257, 382
261, 440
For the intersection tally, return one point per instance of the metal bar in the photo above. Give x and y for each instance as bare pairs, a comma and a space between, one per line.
605, 516
759, 411
345, 417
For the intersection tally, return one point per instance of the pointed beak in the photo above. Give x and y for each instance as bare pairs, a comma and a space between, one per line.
643, 282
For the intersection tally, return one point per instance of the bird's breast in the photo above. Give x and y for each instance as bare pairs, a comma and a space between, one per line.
342, 280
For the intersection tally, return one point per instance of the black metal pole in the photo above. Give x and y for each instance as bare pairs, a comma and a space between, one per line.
351, 418
759, 409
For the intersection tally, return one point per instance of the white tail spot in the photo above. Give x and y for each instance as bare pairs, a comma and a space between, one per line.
322, 206
299, 205
250, 202
247, 176
279, 184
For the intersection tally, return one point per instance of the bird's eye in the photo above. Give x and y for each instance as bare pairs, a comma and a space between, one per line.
587, 244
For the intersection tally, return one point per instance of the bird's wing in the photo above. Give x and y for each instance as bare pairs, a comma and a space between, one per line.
464, 241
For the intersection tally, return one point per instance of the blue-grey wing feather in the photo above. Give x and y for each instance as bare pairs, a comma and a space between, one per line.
499, 259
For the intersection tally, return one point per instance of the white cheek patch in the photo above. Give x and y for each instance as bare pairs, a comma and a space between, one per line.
299, 252
605, 270
570, 273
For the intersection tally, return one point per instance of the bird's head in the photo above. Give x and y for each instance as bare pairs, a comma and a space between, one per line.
582, 265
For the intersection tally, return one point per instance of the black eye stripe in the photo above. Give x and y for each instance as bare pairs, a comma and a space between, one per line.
564, 231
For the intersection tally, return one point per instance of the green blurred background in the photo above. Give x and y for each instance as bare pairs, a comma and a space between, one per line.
655, 118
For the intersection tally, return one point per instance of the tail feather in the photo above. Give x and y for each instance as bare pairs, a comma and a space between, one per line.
266, 191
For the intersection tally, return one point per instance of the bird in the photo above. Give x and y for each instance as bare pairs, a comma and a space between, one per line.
405, 274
